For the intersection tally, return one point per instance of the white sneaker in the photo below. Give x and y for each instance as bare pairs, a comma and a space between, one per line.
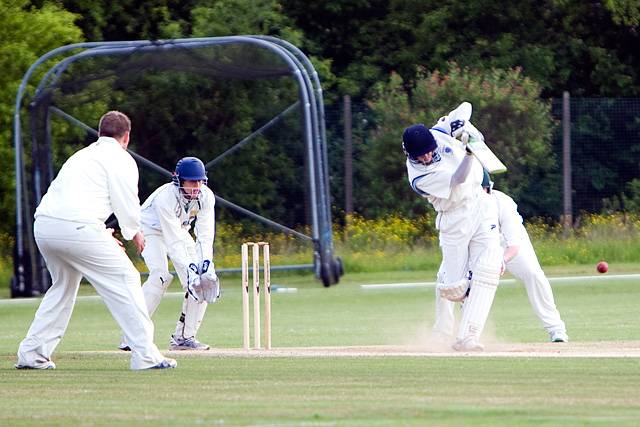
123, 345
558, 336
468, 344
40, 364
186, 344
167, 363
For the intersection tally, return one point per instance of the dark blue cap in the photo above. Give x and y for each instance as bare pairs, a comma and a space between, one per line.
418, 140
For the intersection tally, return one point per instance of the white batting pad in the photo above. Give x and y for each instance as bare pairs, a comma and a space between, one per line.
191, 318
478, 304
154, 288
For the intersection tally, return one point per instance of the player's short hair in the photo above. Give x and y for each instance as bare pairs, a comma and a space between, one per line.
114, 124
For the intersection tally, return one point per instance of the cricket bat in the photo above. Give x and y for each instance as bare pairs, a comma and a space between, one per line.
483, 153
476, 143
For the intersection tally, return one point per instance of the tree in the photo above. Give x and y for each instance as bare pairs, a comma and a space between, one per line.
365, 40
26, 32
106, 20
584, 47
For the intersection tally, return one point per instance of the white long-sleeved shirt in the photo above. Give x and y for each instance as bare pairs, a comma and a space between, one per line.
166, 212
511, 227
433, 181
93, 183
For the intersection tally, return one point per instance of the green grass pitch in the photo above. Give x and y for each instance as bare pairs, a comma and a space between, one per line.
93, 385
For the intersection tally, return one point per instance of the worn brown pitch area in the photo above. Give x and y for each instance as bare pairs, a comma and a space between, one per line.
547, 349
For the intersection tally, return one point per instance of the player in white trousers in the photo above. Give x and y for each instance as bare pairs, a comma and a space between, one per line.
167, 216
70, 233
520, 260
441, 170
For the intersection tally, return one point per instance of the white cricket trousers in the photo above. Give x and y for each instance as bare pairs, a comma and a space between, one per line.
155, 256
467, 237
526, 267
72, 250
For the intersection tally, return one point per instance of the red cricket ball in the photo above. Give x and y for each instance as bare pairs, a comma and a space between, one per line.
602, 267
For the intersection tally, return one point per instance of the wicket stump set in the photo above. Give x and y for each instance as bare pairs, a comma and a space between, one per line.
256, 294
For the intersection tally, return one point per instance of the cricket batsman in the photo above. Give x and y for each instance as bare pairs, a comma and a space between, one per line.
167, 216
443, 171
520, 260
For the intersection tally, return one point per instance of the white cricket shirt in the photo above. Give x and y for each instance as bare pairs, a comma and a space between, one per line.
433, 181
93, 183
167, 213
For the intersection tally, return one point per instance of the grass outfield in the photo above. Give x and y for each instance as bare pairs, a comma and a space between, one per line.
93, 386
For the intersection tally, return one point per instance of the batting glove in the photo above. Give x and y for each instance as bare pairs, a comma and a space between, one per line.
457, 128
456, 291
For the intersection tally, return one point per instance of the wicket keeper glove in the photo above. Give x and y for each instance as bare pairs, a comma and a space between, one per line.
209, 282
194, 288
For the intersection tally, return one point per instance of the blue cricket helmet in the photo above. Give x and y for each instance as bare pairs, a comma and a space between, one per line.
417, 140
189, 169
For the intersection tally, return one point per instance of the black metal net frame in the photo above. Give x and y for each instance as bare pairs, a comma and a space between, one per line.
30, 274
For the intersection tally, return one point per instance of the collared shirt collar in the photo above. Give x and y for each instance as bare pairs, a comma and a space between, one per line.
107, 139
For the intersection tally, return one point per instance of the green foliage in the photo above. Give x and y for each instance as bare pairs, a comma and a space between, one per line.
388, 233
26, 32
605, 152
365, 40
612, 237
624, 12
570, 45
129, 19
584, 47
507, 109
238, 17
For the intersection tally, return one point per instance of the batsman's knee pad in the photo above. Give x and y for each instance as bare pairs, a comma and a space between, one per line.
484, 282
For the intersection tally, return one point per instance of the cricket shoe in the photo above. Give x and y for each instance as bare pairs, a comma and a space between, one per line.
468, 344
559, 336
123, 345
40, 364
186, 344
167, 363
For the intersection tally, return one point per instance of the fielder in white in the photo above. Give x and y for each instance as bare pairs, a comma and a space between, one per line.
167, 216
70, 233
520, 259
441, 170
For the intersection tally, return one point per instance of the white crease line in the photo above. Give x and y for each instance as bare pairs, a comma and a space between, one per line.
506, 281
29, 301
